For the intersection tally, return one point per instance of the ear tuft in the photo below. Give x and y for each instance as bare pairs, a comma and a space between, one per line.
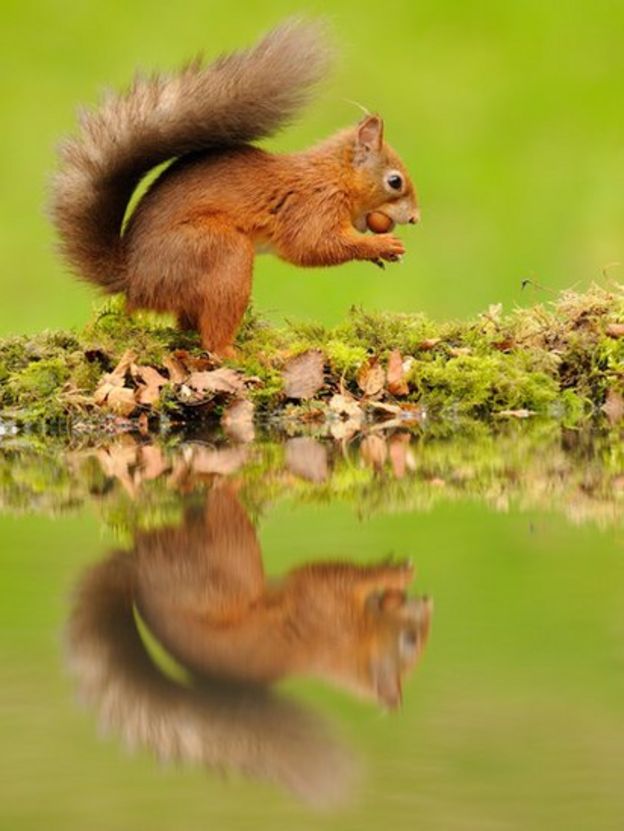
387, 681
369, 137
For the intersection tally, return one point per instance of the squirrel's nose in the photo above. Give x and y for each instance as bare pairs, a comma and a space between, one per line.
415, 217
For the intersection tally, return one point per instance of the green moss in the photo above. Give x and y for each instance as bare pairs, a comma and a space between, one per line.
558, 360
37, 381
344, 358
478, 385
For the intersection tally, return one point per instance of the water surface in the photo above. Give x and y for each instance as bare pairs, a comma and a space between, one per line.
203, 634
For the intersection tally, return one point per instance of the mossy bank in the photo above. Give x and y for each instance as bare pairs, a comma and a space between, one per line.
561, 360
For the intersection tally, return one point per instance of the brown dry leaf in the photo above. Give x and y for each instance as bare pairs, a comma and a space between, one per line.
117, 376
613, 406
178, 372
371, 377
101, 393
237, 421
116, 380
429, 343
303, 374
117, 459
307, 458
121, 400
504, 345
460, 351
351, 416
384, 407
515, 413
222, 461
395, 379
615, 330
217, 380
411, 413
193, 363
152, 462
149, 383
346, 406
397, 450
374, 451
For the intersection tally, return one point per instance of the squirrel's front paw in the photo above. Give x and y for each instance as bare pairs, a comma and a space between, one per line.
387, 247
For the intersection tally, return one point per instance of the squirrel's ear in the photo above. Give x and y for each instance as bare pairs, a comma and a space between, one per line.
387, 683
369, 137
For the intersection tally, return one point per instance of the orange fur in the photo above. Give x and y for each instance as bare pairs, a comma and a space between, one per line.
189, 246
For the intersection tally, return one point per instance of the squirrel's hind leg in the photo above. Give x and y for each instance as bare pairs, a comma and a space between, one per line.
222, 259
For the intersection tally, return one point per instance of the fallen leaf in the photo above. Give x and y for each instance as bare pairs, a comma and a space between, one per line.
178, 373
397, 450
395, 379
344, 430
346, 406
193, 363
384, 407
307, 458
121, 401
118, 376
504, 345
117, 459
371, 377
149, 383
413, 413
237, 421
613, 406
152, 462
460, 351
429, 343
222, 461
111, 391
351, 416
374, 451
615, 330
217, 380
303, 374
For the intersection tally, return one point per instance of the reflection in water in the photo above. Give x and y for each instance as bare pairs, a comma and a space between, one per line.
202, 592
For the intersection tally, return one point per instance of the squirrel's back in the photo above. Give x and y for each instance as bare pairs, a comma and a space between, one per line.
239, 98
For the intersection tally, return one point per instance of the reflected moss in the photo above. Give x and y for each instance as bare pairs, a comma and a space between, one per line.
144, 482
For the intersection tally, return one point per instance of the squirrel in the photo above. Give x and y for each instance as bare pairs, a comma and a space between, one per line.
193, 719
188, 246
200, 590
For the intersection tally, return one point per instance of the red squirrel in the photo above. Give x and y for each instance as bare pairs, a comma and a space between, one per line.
189, 245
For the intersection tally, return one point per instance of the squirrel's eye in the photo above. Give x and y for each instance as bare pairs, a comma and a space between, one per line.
394, 181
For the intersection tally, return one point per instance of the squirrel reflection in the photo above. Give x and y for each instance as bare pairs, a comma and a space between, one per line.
202, 592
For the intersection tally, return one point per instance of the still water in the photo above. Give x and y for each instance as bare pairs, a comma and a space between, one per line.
407, 632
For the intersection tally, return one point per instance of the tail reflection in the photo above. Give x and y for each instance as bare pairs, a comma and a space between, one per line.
202, 592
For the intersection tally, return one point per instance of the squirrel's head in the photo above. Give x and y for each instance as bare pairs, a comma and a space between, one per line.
401, 628
382, 183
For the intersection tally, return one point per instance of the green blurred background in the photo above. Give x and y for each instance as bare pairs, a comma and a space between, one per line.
509, 116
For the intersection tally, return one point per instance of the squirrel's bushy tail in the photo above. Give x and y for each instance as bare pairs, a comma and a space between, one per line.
201, 720
241, 97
